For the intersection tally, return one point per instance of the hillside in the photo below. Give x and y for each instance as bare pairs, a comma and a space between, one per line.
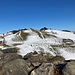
52, 42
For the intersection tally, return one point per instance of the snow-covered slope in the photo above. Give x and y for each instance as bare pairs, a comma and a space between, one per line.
53, 42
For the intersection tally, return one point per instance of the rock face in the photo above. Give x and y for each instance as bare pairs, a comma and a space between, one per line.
37, 58
57, 60
1, 53
69, 69
6, 58
10, 50
28, 55
46, 59
10, 56
34, 64
15, 67
45, 69
68, 41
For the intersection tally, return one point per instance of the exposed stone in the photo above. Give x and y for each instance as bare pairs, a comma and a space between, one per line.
68, 41
60, 67
8, 58
45, 69
11, 56
69, 69
1, 57
16, 67
57, 60
10, 50
28, 55
1, 53
38, 58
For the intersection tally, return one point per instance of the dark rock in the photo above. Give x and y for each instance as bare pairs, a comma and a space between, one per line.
60, 67
16, 67
1, 64
69, 69
1, 53
43, 29
1, 57
35, 53
28, 55
8, 58
68, 41
11, 56
45, 69
14, 31
10, 50
37, 58
66, 30
57, 60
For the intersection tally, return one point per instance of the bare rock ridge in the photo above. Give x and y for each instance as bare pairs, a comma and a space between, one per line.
35, 64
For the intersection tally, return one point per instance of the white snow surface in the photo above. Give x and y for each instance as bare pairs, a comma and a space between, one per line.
63, 34
67, 55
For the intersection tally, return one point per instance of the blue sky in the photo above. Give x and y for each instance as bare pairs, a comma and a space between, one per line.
55, 14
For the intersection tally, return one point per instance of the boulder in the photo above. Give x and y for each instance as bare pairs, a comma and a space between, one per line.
8, 58
45, 69
57, 60
44, 58
11, 56
69, 69
37, 58
1, 53
16, 67
10, 50
28, 55
1, 57
68, 41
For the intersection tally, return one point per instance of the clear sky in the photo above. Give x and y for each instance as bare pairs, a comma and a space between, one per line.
55, 14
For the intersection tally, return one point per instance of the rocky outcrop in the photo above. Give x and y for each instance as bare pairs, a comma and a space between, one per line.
10, 50
16, 67
69, 69
28, 55
37, 58
10, 57
68, 41
1, 53
6, 58
43, 58
57, 60
45, 69
34, 64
